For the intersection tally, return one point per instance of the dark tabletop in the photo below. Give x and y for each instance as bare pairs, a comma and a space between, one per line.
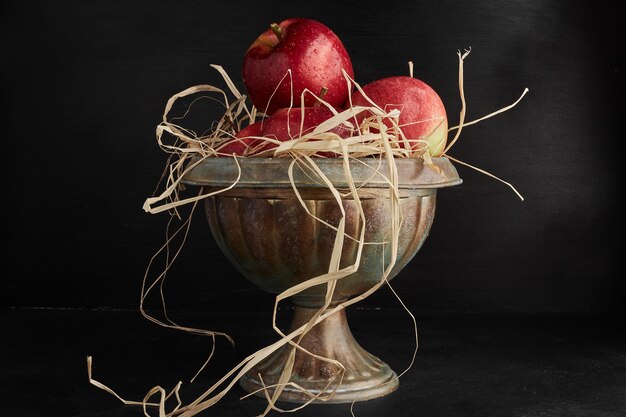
467, 365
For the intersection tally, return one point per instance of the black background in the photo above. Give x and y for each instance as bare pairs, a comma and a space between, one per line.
84, 85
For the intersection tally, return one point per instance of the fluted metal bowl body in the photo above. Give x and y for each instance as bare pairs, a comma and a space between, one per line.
264, 230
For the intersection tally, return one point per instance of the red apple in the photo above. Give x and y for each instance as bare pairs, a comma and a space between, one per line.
242, 141
422, 114
285, 124
315, 56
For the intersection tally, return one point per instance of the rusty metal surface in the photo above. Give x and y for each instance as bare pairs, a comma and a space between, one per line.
275, 242
366, 376
259, 172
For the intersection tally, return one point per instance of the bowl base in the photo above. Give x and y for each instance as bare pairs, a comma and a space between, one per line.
366, 376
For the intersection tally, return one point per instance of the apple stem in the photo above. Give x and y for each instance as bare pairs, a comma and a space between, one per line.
277, 31
323, 92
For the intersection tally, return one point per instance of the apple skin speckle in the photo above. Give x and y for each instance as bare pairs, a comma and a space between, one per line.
313, 53
422, 113
285, 125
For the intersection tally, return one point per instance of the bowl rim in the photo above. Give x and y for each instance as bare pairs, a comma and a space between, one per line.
413, 173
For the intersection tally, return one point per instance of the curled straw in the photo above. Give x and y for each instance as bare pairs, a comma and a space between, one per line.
371, 138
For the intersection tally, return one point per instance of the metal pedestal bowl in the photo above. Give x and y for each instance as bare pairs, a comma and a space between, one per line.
265, 232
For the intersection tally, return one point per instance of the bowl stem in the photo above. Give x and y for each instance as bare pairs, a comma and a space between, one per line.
366, 376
